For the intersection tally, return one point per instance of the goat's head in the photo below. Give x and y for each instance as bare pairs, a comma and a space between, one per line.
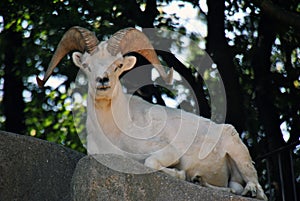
103, 70
103, 62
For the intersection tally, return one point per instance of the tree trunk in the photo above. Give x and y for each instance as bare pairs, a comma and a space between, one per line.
13, 102
220, 52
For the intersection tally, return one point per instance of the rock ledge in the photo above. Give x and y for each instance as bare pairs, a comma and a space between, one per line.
92, 180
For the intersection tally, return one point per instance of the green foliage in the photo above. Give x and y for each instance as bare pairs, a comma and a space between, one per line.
52, 119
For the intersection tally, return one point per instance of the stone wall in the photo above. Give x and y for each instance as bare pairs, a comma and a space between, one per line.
36, 170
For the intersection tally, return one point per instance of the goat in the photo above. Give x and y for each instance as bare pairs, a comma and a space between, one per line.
176, 142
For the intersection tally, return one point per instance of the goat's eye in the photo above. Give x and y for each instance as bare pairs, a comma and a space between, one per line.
118, 66
85, 65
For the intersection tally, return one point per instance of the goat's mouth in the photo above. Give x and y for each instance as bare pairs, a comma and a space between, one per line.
103, 88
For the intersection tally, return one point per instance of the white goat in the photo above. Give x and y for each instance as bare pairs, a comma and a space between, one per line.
181, 144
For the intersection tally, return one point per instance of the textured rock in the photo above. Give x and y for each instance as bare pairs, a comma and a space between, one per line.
35, 170
92, 180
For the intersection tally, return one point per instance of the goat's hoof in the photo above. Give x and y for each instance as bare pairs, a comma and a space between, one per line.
260, 193
231, 190
250, 189
181, 175
254, 190
236, 187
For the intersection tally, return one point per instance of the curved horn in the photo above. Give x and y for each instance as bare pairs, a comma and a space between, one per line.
76, 38
131, 39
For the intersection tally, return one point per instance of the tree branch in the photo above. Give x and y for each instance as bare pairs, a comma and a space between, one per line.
278, 13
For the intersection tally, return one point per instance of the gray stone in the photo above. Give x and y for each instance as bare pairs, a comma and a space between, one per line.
94, 180
35, 170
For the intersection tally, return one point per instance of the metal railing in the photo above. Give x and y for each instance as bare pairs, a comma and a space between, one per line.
278, 153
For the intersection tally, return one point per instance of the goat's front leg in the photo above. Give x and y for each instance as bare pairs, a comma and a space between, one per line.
162, 160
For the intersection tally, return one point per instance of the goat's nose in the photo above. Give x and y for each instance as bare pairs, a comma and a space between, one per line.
103, 80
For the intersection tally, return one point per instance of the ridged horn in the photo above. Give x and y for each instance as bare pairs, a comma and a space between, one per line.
76, 38
132, 40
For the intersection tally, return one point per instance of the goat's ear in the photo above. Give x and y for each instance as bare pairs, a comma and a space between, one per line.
128, 63
76, 56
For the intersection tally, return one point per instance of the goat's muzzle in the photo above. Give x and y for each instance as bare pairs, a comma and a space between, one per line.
102, 84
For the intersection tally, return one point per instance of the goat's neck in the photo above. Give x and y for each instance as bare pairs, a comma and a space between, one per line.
112, 114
